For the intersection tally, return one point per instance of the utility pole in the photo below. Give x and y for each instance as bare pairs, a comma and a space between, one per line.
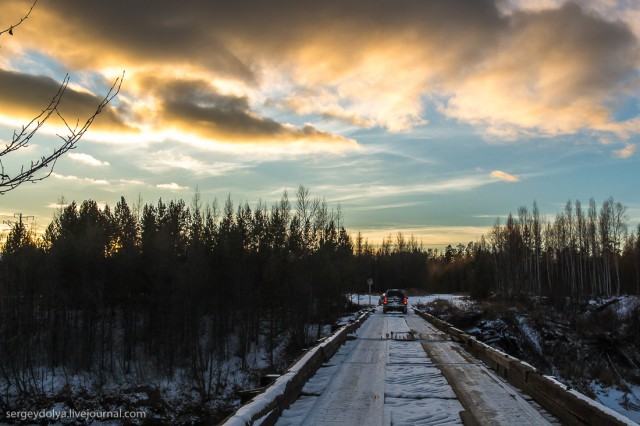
11, 224
20, 215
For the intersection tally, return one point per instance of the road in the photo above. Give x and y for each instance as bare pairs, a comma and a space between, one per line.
395, 371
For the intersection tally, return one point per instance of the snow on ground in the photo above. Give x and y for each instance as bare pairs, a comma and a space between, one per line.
348, 319
174, 400
532, 335
620, 401
625, 305
454, 299
363, 299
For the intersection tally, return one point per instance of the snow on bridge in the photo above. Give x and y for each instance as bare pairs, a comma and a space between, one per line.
384, 377
402, 370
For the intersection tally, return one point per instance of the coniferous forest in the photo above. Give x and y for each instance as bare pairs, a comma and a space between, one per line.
160, 289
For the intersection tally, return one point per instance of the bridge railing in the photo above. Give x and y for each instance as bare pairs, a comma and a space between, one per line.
568, 405
268, 405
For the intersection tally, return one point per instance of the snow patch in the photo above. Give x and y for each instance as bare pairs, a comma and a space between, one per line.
622, 419
532, 335
619, 400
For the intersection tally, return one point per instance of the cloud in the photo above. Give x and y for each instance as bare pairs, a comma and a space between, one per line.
130, 182
500, 175
322, 102
392, 205
376, 190
56, 206
616, 10
24, 96
196, 107
184, 109
99, 182
554, 69
87, 159
626, 152
172, 186
556, 72
163, 160
84, 181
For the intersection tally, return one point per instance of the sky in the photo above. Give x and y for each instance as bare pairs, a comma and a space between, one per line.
425, 117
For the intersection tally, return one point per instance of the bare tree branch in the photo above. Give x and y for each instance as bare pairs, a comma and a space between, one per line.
24, 18
22, 138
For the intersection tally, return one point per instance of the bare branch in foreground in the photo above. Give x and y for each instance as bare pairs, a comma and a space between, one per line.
22, 138
24, 18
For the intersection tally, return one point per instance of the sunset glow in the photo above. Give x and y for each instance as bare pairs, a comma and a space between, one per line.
430, 118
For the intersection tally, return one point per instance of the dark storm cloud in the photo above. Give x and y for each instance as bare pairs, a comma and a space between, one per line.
548, 71
557, 71
195, 105
142, 31
574, 38
26, 95
225, 35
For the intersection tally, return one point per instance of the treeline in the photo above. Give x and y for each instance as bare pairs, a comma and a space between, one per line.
163, 289
171, 289
584, 252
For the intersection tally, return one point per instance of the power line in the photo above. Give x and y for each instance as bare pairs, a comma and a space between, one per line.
19, 216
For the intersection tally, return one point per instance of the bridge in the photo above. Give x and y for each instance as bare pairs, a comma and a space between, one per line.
413, 369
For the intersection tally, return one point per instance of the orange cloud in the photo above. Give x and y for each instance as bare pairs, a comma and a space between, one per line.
500, 175
544, 71
24, 96
626, 152
195, 107
556, 73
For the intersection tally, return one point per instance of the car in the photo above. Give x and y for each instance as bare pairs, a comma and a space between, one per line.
394, 300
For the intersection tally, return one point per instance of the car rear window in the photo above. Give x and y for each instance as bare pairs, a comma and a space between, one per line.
395, 294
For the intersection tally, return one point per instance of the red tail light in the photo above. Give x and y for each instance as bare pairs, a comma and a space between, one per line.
405, 300
385, 300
